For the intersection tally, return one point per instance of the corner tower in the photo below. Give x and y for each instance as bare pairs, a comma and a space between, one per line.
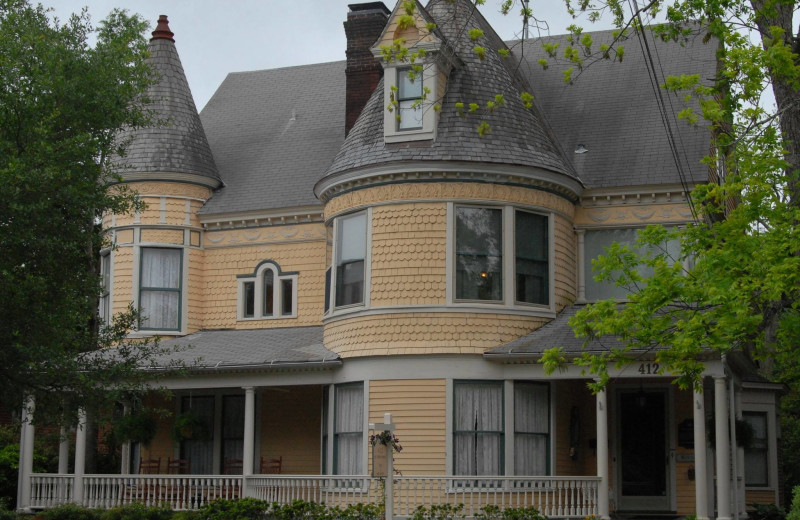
444, 239
157, 263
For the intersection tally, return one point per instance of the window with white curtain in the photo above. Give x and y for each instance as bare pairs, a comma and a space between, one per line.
160, 288
200, 451
267, 293
478, 433
351, 253
756, 456
531, 428
348, 429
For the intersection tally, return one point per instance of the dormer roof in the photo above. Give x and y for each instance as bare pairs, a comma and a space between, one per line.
176, 148
519, 136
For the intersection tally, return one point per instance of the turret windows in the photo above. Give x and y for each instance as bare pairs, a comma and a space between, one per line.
351, 252
267, 293
500, 255
160, 288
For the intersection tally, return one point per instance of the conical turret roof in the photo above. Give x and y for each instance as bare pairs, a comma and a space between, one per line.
519, 136
176, 149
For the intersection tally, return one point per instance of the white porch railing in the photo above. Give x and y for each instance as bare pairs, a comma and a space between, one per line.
555, 497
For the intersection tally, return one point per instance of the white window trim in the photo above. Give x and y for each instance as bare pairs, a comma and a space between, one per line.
258, 290
106, 256
509, 256
183, 318
508, 427
333, 309
391, 131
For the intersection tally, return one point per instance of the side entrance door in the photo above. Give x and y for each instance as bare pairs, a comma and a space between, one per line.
643, 465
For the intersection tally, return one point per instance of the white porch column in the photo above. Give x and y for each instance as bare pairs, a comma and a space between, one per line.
25, 455
700, 465
125, 450
63, 452
722, 449
80, 457
602, 454
249, 430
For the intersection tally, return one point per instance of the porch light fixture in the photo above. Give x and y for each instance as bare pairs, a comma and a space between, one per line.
581, 149
641, 397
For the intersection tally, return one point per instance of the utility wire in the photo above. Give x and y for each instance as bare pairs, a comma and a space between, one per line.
662, 106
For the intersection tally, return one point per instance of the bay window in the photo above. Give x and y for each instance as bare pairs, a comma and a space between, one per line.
351, 253
501, 255
104, 304
160, 288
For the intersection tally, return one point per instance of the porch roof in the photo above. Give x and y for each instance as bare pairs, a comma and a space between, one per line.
248, 349
556, 333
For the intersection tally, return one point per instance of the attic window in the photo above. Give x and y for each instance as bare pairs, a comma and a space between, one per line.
267, 293
409, 92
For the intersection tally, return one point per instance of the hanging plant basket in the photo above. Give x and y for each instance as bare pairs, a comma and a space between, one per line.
137, 427
387, 439
189, 425
745, 435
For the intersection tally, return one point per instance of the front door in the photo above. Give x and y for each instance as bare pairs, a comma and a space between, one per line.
643, 464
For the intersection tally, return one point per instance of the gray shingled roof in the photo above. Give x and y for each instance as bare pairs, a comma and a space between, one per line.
611, 110
273, 133
179, 145
249, 348
519, 136
556, 333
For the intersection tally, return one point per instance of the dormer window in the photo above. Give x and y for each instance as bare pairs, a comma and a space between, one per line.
409, 95
267, 293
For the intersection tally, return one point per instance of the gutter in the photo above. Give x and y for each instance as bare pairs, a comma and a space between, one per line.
254, 367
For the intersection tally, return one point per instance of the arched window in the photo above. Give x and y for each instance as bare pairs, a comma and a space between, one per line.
267, 293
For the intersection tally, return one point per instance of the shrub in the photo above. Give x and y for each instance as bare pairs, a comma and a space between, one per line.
356, 512
794, 511
298, 510
223, 509
70, 512
439, 512
493, 512
765, 512
137, 511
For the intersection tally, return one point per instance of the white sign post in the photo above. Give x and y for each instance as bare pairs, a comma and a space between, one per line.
387, 426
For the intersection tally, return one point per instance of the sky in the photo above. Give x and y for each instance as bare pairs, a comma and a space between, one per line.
215, 37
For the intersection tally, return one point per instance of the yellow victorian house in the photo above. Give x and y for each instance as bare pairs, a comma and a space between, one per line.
330, 261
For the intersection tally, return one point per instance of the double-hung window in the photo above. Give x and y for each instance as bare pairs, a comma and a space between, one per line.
595, 244
479, 253
531, 428
160, 288
478, 428
267, 293
349, 429
409, 94
756, 456
484, 238
104, 304
351, 253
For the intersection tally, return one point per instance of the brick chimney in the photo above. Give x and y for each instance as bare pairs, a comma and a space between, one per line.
364, 25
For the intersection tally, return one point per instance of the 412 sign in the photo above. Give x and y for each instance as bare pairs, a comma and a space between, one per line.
649, 369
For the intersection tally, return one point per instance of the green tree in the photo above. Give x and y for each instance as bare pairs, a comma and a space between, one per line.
62, 105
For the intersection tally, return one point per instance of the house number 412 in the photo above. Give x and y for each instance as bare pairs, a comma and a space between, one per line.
648, 368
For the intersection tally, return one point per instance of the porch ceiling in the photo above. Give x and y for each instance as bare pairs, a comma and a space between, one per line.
248, 349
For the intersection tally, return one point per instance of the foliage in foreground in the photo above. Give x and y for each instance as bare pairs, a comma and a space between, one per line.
62, 109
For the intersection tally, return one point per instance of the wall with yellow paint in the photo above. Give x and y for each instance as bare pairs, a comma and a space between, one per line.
425, 333
291, 427
418, 408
